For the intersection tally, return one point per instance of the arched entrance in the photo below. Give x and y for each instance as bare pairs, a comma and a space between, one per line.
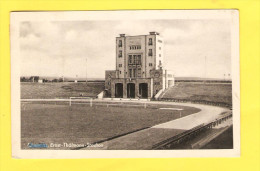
130, 90
119, 90
143, 90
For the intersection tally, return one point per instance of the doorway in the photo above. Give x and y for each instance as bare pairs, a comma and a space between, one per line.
143, 90
119, 90
130, 90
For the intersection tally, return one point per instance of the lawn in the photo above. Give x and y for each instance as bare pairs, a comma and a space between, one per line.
193, 91
60, 90
48, 123
210, 92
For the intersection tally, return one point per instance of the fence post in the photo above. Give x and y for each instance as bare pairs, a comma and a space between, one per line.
91, 102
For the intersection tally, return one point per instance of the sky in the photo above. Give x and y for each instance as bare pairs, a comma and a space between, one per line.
192, 48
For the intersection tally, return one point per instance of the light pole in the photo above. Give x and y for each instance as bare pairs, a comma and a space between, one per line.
86, 70
205, 69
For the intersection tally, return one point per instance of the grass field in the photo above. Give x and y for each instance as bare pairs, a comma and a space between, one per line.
59, 90
48, 123
194, 91
211, 92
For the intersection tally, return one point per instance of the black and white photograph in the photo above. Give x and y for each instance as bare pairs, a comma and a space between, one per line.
125, 84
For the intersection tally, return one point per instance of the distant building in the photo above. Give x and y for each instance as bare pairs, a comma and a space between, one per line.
139, 67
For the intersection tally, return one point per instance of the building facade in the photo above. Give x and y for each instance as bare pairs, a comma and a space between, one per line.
139, 68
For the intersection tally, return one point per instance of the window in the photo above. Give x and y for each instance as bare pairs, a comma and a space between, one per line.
150, 53
120, 54
119, 72
160, 48
120, 43
159, 41
150, 41
120, 65
134, 47
134, 72
138, 60
160, 64
150, 64
139, 71
160, 55
130, 59
130, 73
134, 59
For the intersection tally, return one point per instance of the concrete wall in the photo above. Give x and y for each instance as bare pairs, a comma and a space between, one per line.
157, 76
169, 79
109, 75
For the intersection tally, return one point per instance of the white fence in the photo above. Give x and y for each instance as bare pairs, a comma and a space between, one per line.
90, 101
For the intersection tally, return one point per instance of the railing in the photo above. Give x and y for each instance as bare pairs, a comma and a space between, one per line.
184, 136
222, 104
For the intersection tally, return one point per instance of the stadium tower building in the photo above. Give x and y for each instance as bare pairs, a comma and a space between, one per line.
139, 68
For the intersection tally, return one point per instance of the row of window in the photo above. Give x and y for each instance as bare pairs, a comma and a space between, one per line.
150, 53
134, 47
135, 59
150, 42
135, 73
120, 65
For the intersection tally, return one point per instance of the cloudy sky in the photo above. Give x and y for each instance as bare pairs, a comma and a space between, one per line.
60, 48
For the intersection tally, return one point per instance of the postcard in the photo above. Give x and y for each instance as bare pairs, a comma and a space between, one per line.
125, 84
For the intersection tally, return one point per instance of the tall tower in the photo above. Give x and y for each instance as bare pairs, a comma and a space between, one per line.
136, 56
139, 67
